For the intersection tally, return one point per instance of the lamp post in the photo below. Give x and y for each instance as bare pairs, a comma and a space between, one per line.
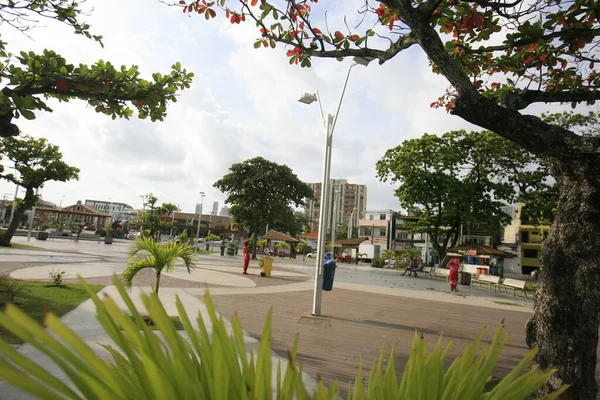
199, 216
329, 125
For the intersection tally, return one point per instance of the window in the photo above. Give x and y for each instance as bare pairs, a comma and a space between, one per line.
402, 235
382, 217
368, 232
524, 237
530, 253
382, 232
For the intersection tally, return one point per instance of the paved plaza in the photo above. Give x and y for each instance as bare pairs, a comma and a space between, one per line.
367, 309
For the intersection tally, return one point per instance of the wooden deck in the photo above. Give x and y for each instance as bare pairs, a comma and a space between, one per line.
357, 324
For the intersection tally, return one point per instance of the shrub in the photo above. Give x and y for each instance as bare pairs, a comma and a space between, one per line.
56, 276
377, 262
146, 365
11, 287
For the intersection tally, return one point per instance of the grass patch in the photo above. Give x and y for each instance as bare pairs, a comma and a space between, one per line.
208, 252
23, 246
507, 303
174, 320
39, 297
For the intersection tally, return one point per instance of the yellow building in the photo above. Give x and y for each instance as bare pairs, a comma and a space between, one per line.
531, 238
528, 240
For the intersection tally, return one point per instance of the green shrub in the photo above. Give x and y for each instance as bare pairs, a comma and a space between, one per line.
377, 262
11, 287
217, 366
56, 276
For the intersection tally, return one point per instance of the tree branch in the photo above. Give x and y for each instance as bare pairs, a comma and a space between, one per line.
519, 101
534, 39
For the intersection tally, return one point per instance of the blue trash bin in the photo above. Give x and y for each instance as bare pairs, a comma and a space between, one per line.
328, 274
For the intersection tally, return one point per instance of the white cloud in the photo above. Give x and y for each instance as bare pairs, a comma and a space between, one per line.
243, 103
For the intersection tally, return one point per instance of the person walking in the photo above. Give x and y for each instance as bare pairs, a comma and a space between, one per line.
453, 274
246, 253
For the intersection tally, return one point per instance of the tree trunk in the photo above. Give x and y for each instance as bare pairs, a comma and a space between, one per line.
157, 282
567, 301
255, 238
27, 203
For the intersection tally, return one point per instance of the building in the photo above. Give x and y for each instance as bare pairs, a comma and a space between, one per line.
224, 212
198, 209
349, 202
215, 208
75, 215
378, 227
117, 211
527, 240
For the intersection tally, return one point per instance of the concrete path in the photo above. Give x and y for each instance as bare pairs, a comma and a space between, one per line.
91, 259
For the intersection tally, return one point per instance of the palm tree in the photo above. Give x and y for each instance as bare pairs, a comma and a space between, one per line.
156, 256
282, 245
304, 248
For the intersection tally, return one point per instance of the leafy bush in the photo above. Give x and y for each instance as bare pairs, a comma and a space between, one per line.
377, 262
11, 287
183, 237
56, 276
217, 366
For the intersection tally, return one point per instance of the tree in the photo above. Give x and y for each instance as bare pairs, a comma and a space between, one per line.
155, 219
29, 78
212, 238
261, 192
37, 162
304, 248
457, 179
157, 257
498, 58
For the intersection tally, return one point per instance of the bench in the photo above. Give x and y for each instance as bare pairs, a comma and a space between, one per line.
488, 280
513, 284
425, 270
442, 272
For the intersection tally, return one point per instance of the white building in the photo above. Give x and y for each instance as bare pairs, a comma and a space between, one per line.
117, 211
224, 212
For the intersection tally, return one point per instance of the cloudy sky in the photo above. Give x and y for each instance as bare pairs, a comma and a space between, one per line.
242, 104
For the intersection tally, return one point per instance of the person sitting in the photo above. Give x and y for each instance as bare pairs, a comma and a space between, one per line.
413, 268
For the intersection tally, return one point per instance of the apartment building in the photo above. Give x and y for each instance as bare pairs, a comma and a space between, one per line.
349, 202
527, 240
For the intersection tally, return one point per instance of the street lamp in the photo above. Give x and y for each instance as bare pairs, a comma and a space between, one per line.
199, 217
329, 125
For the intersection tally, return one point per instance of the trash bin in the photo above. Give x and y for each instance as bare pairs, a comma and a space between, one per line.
266, 263
41, 235
464, 278
328, 274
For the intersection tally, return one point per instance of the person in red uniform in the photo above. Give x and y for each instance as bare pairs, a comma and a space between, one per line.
246, 253
453, 274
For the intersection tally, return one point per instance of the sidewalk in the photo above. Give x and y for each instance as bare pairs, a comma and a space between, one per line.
357, 319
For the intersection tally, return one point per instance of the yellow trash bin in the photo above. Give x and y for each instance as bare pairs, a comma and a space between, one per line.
266, 263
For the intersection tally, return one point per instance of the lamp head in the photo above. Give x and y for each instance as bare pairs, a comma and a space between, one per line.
308, 98
364, 61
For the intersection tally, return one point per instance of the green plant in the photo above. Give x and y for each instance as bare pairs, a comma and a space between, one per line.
110, 231
145, 365
11, 287
232, 244
377, 262
56, 276
183, 237
156, 256
40, 297
389, 255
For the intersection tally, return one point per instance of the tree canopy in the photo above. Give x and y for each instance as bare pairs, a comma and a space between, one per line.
458, 179
28, 79
154, 218
37, 162
263, 193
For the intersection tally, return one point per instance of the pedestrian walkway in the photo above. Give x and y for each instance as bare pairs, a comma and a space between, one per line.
358, 318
